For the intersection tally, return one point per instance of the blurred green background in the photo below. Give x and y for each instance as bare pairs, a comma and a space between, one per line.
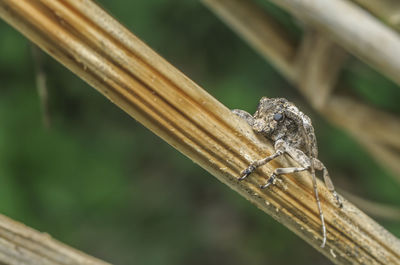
101, 182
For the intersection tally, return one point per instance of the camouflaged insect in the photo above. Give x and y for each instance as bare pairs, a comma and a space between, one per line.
292, 133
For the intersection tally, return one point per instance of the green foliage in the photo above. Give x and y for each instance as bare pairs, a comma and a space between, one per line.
104, 184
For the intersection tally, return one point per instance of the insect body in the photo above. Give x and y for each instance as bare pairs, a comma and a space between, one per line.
292, 133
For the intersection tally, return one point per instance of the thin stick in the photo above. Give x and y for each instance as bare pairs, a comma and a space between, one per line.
98, 49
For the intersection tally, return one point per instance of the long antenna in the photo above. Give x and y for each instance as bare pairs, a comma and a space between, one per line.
314, 180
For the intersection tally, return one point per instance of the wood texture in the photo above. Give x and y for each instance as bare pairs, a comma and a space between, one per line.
98, 49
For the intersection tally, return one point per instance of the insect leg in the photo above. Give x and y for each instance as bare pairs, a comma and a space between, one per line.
321, 215
244, 115
328, 182
280, 171
259, 163
280, 148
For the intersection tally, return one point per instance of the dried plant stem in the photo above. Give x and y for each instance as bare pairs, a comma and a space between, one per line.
386, 10
354, 29
20, 244
98, 49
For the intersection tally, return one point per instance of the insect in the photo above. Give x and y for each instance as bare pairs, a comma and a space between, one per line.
292, 133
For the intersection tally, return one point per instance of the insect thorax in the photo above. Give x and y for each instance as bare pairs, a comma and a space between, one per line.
279, 119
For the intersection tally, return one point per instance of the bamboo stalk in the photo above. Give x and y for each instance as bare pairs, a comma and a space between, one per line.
98, 49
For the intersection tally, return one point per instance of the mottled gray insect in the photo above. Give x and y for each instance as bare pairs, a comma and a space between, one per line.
292, 133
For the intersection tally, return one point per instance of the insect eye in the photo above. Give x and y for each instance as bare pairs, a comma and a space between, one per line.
278, 117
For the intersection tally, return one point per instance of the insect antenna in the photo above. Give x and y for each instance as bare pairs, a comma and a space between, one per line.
314, 180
